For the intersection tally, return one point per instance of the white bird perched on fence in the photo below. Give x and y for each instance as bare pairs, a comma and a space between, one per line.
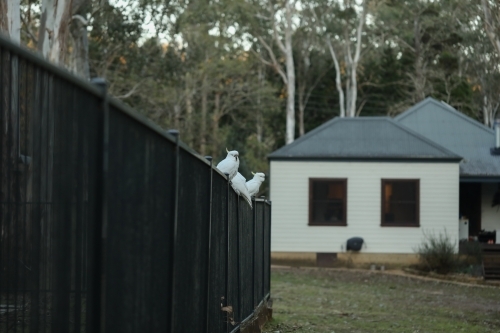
253, 184
238, 183
230, 164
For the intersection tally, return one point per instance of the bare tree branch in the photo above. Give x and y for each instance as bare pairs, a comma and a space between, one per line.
28, 30
275, 63
131, 92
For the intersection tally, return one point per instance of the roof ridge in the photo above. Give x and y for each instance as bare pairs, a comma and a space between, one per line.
422, 138
444, 106
301, 145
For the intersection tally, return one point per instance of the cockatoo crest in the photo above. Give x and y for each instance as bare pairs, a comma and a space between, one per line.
230, 164
253, 184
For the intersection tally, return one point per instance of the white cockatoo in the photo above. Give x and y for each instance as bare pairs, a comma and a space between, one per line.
230, 164
254, 183
238, 183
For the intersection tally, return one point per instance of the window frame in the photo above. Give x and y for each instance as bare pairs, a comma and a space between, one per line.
417, 203
310, 217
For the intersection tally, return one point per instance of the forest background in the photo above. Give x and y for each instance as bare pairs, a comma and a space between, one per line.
253, 75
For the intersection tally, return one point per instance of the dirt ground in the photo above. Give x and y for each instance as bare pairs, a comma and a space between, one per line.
327, 301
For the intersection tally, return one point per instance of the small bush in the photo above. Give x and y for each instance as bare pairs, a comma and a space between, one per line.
437, 253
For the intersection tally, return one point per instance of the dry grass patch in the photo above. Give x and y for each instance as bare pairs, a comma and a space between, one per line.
338, 301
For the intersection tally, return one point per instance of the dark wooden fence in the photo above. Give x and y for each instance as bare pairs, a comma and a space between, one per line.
111, 224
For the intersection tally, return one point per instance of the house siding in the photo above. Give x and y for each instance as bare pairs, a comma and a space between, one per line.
490, 216
289, 181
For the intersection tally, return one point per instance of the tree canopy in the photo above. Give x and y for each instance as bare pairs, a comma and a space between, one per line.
252, 75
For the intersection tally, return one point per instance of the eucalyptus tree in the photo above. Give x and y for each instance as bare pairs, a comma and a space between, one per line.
10, 19
341, 25
312, 63
491, 19
480, 26
272, 24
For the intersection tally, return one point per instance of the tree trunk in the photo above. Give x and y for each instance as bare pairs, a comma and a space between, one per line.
80, 54
189, 109
79, 61
258, 118
54, 27
302, 107
215, 125
486, 112
10, 19
290, 72
177, 115
419, 65
338, 81
203, 127
489, 26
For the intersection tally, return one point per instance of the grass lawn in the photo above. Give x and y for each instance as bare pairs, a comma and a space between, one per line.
338, 301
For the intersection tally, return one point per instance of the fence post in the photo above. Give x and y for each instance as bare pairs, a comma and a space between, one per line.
263, 244
97, 304
227, 251
210, 184
254, 239
269, 246
238, 258
173, 228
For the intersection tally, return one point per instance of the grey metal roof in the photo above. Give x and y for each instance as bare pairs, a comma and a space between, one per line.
373, 138
456, 132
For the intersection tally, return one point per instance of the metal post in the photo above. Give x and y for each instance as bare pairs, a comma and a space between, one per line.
254, 239
209, 158
269, 246
263, 243
227, 250
173, 230
238, 257
97, 304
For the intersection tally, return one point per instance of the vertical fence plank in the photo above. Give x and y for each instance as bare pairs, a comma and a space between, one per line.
209, 247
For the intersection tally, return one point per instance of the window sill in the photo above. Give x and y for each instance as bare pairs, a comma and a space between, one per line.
400, 225
327, 224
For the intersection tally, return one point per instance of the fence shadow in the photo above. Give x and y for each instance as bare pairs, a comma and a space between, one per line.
110, 224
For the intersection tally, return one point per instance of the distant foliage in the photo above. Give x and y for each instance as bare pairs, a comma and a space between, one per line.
437, 253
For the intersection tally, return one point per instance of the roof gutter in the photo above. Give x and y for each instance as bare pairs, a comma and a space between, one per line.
480, 179
367, 159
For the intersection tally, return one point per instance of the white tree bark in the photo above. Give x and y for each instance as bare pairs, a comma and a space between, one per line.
338, 81
491, 26
10, 19
347, 101
354, 64
54, 28
288, 73
486, 111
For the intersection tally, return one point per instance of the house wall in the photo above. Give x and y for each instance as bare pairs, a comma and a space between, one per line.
490, 216
289, 181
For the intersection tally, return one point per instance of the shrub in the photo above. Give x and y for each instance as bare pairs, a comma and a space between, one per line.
437, 253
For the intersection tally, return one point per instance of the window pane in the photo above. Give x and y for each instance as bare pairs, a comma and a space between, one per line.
400, 202
327, 202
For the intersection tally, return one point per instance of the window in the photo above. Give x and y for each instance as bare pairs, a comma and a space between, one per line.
400, 202
328, 202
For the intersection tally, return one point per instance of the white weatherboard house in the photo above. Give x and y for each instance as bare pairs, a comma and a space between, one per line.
388, 181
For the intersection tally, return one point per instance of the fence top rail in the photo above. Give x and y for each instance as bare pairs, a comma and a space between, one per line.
38, 60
